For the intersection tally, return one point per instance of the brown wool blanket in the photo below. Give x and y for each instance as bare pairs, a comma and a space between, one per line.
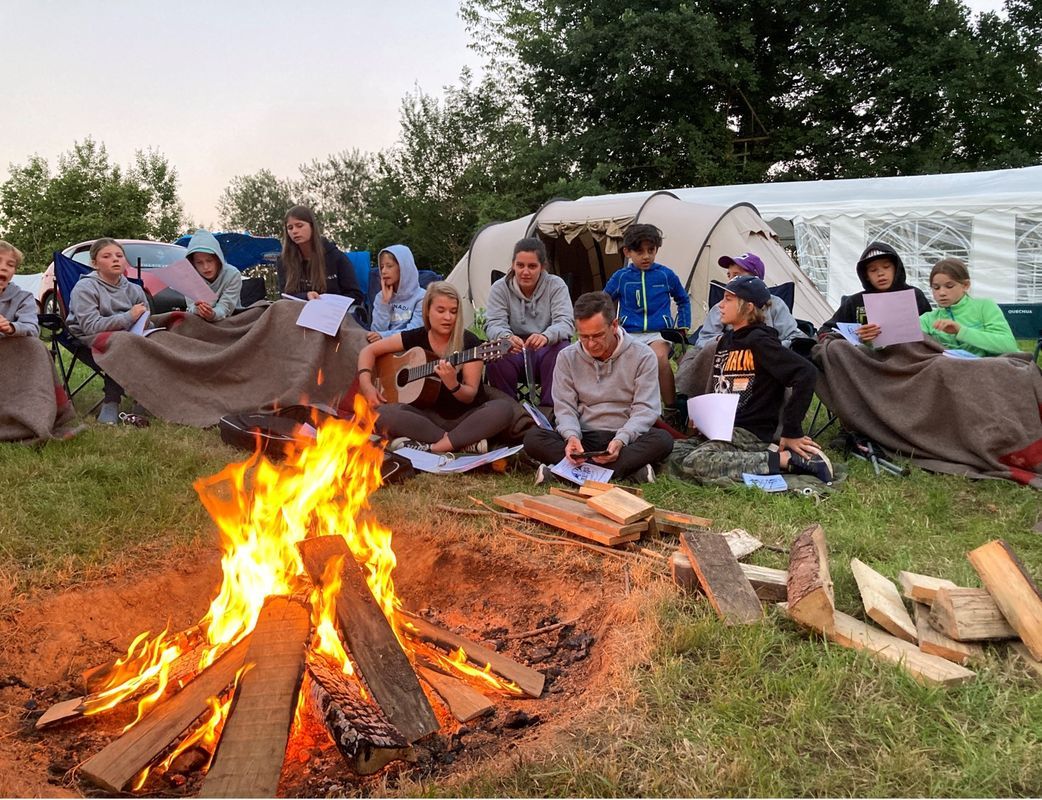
196, 372
977, 417
33, 404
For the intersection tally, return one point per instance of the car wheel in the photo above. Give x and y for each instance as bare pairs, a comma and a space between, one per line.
50, 304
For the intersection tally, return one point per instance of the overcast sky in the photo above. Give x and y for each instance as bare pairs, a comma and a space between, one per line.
225, 87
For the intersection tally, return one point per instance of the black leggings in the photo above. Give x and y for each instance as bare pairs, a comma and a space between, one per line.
425, 425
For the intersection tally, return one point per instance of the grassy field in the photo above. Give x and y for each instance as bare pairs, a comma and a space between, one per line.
696, 708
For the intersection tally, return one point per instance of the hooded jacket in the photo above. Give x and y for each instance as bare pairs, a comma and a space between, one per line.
340, 276
18, 307
852, 307
96, 306
983, 329
752, 363
619, 394
548, 311
405, 310
778, 317
643, 298
227, 284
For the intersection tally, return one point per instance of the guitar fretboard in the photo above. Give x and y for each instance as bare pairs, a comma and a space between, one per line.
461, 357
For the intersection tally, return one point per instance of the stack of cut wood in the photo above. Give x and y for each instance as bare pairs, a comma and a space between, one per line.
373, 717
949, 621
601, 512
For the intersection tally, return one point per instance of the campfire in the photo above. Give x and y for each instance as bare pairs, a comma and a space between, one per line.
306, 628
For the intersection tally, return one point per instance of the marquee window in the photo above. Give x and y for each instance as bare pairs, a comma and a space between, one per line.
924, 241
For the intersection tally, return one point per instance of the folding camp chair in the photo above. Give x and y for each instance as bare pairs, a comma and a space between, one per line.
1025, 320
66, 274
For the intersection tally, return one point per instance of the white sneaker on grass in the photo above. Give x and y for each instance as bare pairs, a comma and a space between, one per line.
109, 414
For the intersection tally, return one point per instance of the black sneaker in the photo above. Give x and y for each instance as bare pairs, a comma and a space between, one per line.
817, 465
542, 474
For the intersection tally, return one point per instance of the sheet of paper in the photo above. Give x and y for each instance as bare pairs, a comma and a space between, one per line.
323, 315
291, 297
138, 328
182, 277
769, 483
960, 354
580, 473
713, 415
897, 316
849, 331
537, 415
467, 463
426, 462
150, 331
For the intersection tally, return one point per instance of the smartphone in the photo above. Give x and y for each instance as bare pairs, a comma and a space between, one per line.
589, 454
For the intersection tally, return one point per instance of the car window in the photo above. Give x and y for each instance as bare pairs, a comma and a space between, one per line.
153, 255
82, 257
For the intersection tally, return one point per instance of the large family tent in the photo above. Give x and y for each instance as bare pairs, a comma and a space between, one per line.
993, 220
584, 241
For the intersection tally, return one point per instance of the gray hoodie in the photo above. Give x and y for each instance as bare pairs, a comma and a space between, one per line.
405, 311
227, 285
778, 317
619, 394
18, 307
548, 311
97, 306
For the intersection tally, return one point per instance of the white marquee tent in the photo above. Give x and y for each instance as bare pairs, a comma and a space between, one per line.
991, 219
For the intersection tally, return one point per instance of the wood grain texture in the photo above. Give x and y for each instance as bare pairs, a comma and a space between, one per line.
621, 506
969, 615
517, 503
922, 588
882, 602
935, 643
1013, 590
721, 578
464, 702
809, 587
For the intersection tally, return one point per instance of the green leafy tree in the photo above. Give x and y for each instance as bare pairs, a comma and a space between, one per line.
336, 188
256, 203
86, 197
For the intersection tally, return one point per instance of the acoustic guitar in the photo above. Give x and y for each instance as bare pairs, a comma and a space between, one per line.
406, 377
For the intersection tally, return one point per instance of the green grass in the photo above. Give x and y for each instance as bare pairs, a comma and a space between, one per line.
692, 707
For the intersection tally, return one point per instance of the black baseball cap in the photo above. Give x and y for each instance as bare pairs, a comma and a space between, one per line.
749, 288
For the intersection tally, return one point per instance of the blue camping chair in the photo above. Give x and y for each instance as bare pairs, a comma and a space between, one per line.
427, 277
66, 274
1025, 320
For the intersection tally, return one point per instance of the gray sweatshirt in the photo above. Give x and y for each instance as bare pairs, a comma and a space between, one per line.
618, 394
97, 306
548, 311
227, 284
778, 317
18, 307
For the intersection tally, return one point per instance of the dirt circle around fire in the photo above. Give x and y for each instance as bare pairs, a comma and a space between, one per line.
472, 584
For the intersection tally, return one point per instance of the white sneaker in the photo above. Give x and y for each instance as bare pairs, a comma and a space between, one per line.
109, 414
402, 441
645, 474
480, 447
542, 474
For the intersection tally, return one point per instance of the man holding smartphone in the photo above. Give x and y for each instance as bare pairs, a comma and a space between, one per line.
606, 399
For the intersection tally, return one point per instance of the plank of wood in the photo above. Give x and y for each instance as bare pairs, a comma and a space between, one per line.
516, 502
969, 615
594, 488
576, 511
360, 731
809, 587
769, 584
925, 668
621, 506
116, 765
922, 588
741, 542
678, 522
529, 680
371, 640
722, 580
464, 702
683, 573
935, 643
1029, 660
252, 747
1015, 593
559, 491
882, 602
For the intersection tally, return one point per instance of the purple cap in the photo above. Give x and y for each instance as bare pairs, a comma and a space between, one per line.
749, 288
750, 262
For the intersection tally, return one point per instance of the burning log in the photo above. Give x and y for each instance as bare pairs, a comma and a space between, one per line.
371, 640
249, 757
116, 765
529, 680
361, 732
464, 703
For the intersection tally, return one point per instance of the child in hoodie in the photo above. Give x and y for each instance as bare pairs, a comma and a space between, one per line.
751, 362
642, 289
532, 309
206, 255
879, 269
105, 301
399, 306
18, 315
606, 398
962, 322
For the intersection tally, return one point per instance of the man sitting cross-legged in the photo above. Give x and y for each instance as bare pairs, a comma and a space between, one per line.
606, 397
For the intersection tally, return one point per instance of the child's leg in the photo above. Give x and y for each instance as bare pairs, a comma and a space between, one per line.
662, 350
710, 461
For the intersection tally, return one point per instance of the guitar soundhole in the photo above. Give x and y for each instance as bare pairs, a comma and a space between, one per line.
401, 378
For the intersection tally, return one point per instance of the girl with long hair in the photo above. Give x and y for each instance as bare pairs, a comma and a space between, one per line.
310, 264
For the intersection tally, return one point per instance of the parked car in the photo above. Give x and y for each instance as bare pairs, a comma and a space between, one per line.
142, 256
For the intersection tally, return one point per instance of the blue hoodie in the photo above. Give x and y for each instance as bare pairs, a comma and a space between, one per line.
643, 298
227, 285
405, 311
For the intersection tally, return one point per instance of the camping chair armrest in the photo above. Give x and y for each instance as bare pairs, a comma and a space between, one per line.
52, 322
675, 335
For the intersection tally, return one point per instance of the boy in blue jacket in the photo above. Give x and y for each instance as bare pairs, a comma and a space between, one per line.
643, 289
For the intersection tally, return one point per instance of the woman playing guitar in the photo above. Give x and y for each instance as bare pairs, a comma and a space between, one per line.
462, 416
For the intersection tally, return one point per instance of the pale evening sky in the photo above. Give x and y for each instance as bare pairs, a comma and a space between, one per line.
226, 87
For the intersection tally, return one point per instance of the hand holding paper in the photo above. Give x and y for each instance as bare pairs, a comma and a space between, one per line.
713, 415
896, 314
182, 277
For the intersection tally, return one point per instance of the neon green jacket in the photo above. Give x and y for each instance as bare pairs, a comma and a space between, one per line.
983, 329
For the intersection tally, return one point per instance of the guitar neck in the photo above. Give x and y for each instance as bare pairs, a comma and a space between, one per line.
455, 359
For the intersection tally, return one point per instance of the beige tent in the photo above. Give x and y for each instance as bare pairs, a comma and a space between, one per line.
584, 240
